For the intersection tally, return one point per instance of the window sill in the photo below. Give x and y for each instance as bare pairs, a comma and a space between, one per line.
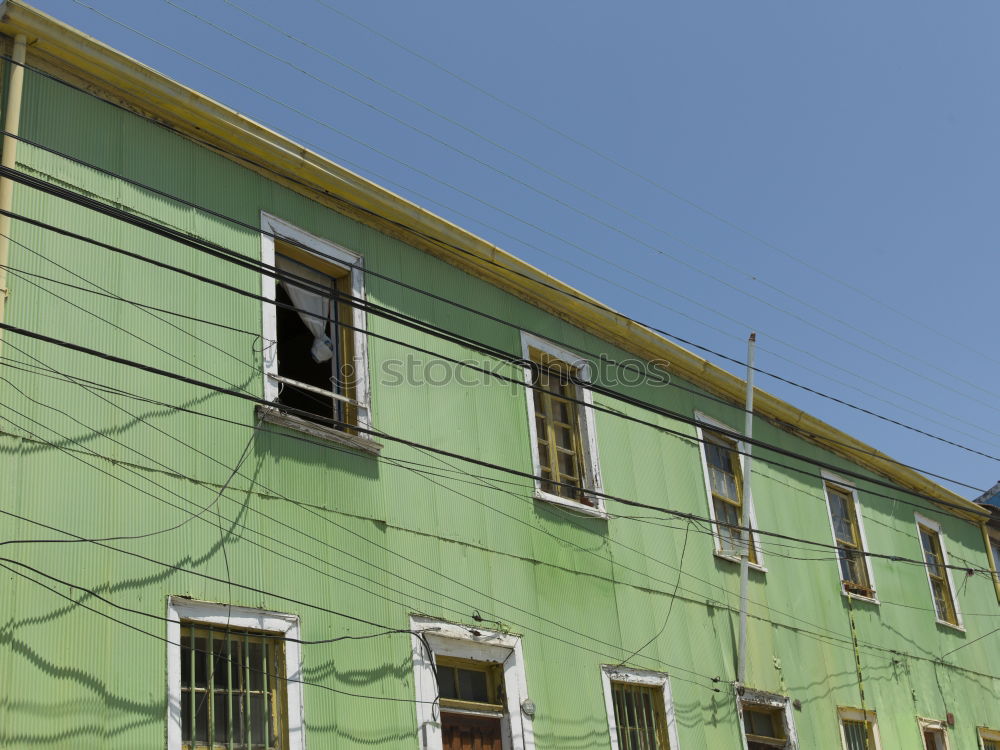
946, 624
860, 597
273, 415
585, 510
729, 558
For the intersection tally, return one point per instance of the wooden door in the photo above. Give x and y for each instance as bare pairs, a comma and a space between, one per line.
460, 732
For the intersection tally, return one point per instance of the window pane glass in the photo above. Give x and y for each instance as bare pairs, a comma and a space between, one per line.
472, 686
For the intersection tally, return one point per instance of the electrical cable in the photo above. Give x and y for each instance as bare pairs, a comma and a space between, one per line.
771, 608
587, 215
409, 321
451, 454
601, 258
325, 543
797, 257
559, 289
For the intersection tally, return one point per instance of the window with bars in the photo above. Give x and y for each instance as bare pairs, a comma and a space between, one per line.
847, 534
725, 483
640, 720
315, 351
989, 739
859, 729
937, 573
231, 689
562, 427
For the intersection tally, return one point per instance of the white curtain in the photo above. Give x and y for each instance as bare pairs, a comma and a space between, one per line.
310, 305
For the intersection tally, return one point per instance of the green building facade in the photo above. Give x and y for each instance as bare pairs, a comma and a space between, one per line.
551, 550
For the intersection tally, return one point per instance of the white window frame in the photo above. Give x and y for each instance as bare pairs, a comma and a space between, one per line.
591, 470
936, 725
856, 714
329, 252
991, 535
936, 527
770, 700
850, 488
712, 424
985, 733
611, 674
180, 608
467, 642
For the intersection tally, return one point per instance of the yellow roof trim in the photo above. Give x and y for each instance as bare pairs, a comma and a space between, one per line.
80, 58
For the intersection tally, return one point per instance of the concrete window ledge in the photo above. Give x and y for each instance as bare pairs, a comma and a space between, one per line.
273, 415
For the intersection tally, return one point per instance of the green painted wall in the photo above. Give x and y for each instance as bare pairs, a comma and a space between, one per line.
373, 537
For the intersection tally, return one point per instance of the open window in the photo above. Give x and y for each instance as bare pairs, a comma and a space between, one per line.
470, 688
856, 578
859, 729
564, 445
938, 574
766, 721
640, 709
722, 463
232, 678
315, 348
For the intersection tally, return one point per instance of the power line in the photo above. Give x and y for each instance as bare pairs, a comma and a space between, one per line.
326, 543
601, 258
586, 191
558, 289
258, 267
452, 454
796, 257
646, 574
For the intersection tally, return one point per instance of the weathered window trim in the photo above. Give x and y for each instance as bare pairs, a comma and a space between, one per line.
850, 488
639, 677
990, 537
985, 735
181, 608
856, 714
274, 415
714, 424
462, 642
952, 591
591, 465
934, 724
271, 227
768, 700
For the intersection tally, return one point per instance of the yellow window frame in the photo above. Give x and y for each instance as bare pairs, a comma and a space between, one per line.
940, 578
736, 471
494, 685
549, 447
853, 545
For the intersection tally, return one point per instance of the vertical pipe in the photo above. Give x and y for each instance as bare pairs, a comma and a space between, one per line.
11, 125
210, 689
741, 667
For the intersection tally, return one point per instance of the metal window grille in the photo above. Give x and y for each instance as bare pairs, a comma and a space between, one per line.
640, 718
858, 735
232, 689
944, 604
847, 534
726, 480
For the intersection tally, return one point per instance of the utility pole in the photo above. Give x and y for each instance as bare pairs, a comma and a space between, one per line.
741, 654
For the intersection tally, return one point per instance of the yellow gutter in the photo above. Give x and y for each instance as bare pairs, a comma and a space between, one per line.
8, 157
78, 58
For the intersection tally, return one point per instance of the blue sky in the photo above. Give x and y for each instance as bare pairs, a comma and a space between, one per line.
826, 175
